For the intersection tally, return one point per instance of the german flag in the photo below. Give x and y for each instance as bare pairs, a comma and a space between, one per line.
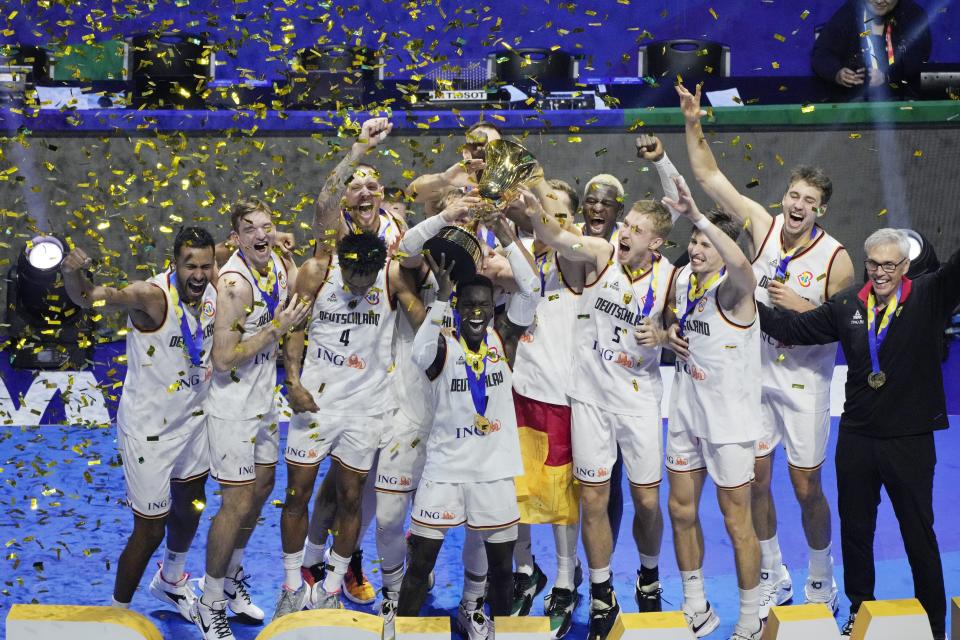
547, 492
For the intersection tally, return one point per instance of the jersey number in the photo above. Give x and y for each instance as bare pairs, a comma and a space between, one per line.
616, 335
345, 337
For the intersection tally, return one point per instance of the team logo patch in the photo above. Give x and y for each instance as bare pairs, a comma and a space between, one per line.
209, 309
702, 304
805, 279
373, 296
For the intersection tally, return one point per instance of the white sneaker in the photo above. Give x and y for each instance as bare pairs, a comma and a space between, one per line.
472, 622
703, 622
291, 601
388, 613
212, 620
739, 633
818, 591
321, 599
238, 598
775, 590
179, 594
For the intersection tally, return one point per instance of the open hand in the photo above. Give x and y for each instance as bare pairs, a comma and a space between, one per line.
690, 104
295, 312
442, 273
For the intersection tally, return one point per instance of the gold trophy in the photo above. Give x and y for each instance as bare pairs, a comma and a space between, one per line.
509, 165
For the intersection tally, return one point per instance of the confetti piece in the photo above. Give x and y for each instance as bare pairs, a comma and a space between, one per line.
917, 153
882, 212
779, 37
713, 13
854, 136
804, 15
807, 108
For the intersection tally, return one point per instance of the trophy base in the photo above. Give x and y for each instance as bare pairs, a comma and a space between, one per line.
443, 248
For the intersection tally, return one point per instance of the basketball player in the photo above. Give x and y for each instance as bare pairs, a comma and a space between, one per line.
714, 410
339, 400
797, 266
161, 426
473, 453
546, 490
617, 401
253, 314
430, 188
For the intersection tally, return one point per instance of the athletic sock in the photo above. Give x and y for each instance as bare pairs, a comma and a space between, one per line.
565, 537
820, 564
119, 605
473, 590
313, 553
212, 590
523, 550
392, 579
291, 570
694, 594
749, 609
336, 568
172, 568
236, 561
598, 576
648, 577
566, 571
770, 557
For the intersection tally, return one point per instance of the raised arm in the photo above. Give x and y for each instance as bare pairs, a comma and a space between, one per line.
429, 350
594, 251
650, 148
736, 291
708, 174
404, 290
141, 300
327, 222
411, 244
234, 300
521, 262
430, 187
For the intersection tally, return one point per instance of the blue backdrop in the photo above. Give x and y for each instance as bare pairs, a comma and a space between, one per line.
768, 37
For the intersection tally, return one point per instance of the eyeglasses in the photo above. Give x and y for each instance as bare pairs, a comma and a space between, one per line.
888, 267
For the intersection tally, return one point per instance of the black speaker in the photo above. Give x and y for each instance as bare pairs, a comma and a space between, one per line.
693, 60
170, 70
541, 65
323, 76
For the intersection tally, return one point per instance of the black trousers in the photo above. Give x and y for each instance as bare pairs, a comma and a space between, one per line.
905, 467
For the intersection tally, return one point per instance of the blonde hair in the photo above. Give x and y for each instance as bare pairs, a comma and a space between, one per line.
604, 179
660, 218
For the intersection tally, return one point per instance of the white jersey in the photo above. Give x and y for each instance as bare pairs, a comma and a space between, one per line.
805, 370
457, 450
610, 369
411, 387
348, 347
390, 229
614, 237
163, 392
545, 350
716, 393
248, 391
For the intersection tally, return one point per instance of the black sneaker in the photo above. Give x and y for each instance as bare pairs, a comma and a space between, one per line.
525, 589
847, 629
558, 606
648, 597
604, 610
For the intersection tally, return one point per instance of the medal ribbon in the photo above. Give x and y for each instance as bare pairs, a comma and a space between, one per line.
888, 41
695, 294
651, 290
541, 264
787, 256
270, 299
192, 342
877, 334
476, 366
355, 228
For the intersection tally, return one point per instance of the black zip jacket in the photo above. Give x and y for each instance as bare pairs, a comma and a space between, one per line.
912, 400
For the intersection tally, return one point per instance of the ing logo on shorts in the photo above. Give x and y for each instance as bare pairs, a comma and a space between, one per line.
805, 279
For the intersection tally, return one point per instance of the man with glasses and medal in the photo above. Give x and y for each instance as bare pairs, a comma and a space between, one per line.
894, 402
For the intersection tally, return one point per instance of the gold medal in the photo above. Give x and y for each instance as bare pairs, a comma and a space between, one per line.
481, 423
876, 379
627, 298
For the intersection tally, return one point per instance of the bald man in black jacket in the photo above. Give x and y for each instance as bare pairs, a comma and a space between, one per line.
894, 403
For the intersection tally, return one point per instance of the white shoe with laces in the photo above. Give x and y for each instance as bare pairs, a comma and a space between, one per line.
388, 613
701, 622
236, 588
739, 633
178, 594
212, 620
821, 591
775, 589
472, 621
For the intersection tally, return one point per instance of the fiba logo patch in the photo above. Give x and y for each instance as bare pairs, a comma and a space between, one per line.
493, 355
282, 278
373, 296
209, 309
702, 304
805, 279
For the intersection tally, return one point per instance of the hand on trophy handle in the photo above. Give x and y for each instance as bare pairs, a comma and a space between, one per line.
464, 173
460, 209
442, 273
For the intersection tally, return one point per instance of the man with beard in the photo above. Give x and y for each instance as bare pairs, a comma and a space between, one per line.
253, 314
798, 266
161, 425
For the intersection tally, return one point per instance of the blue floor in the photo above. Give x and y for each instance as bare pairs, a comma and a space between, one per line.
64, 525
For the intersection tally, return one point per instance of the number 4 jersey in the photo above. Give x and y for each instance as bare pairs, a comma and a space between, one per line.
348, 353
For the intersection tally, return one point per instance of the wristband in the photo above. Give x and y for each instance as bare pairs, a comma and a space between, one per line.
703, 224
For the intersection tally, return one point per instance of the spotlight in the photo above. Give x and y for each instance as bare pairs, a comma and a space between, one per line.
48, 331
923, 258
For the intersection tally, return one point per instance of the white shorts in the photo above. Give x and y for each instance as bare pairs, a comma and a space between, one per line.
804, 433
236, 446
480, 505
150, 467
729, 465
401, 460
595, 434
351, 440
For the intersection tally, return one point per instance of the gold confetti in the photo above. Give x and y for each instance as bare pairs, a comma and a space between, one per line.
713, 13
917, 153
882, 212
854, 136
